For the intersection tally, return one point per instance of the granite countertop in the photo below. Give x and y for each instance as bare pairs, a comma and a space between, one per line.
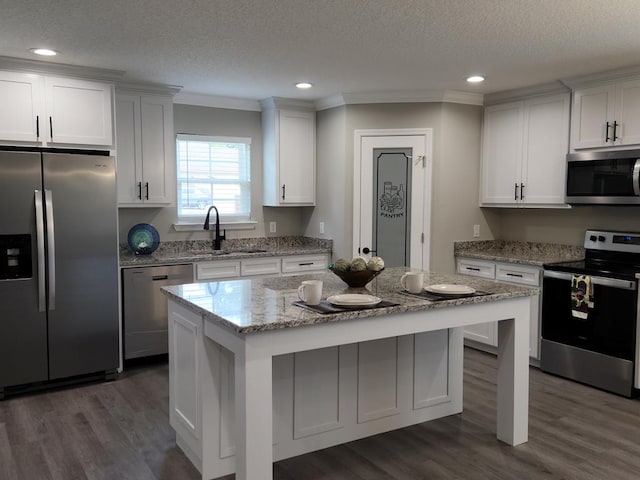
525, 253
171, 253
260, 304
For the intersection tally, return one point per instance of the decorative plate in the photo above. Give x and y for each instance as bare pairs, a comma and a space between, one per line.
143, 239
353, 300
450, 289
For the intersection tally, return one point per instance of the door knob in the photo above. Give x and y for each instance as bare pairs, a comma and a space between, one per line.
367, 250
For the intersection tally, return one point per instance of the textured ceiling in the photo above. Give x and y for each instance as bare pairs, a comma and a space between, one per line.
256, 49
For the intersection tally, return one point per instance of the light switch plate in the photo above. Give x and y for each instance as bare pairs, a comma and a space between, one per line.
476, 231
272, 227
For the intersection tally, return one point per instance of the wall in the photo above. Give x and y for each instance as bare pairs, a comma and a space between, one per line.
219, 122
456, 152
456, 186
334, 173
565, 226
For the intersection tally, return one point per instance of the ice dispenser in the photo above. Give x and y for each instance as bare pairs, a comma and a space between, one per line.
15, 257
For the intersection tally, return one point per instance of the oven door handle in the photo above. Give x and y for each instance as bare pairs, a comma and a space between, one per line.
636, 178
603, 281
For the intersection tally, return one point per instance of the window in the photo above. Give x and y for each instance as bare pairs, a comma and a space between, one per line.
213, 171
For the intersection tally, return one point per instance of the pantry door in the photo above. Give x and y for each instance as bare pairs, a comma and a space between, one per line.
392, 196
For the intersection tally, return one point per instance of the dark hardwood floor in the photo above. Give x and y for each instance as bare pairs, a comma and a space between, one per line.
120, 430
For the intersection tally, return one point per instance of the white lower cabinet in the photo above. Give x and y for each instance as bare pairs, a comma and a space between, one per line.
487, 333
260, 266
321, 397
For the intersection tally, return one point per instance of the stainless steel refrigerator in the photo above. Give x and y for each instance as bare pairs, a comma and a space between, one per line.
58, 267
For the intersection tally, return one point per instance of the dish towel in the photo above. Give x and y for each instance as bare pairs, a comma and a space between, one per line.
581, 295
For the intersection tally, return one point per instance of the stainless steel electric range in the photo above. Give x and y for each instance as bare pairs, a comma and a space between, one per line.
590, 321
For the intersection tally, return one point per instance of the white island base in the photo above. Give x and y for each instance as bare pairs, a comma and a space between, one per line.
306, 388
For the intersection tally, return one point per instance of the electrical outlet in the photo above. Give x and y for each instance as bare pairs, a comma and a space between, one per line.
272, 227
321, 227
476, 231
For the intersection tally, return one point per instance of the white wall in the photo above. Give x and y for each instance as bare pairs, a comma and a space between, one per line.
219, 122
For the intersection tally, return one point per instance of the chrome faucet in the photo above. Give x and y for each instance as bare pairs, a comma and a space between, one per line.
217, 239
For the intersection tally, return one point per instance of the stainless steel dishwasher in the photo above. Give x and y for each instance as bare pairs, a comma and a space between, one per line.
145, 307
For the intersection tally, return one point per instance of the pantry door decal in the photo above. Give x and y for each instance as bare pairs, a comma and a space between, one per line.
392, 205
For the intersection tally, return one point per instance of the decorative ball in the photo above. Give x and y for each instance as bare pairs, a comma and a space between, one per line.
375, 263
358, 264
342, 265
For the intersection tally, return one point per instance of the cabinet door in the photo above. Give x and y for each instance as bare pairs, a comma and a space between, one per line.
546, 143
627, 113
158, 147
502, 154
128, 149
592, 109
78, 112
20, 117
296, 154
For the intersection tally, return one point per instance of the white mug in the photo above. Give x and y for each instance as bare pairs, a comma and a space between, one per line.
310, 291
412, 281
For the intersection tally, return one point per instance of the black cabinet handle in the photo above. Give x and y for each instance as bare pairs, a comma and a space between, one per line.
159, 277
139, 190
474, 269
305, 264
606, 137
283, 190
51, 127
615, 126
522, 191
146, 186
37, 126
514, 275
515, 191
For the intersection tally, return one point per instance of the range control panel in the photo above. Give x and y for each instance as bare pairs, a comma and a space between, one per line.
612, 241
15, 257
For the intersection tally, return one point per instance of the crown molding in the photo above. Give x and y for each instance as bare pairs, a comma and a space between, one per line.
290, 103
149, 88
201, 100
423, 96
50, 68
601, 77
550, 88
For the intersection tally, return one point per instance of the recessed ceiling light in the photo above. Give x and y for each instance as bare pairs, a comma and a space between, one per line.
44, 51
475, 79
304, 85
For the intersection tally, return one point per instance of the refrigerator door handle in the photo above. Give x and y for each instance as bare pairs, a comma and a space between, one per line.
42, 302
51, 249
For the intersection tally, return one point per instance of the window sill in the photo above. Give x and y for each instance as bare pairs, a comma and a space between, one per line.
194, 227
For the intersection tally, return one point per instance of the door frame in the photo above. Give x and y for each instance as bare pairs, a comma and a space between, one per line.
427, 133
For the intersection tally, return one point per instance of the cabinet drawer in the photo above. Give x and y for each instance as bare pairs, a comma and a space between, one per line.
477, 268
517, 274
217, 270
260, 266
306, 263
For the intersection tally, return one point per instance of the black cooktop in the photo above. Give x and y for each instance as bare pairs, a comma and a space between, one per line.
625, 270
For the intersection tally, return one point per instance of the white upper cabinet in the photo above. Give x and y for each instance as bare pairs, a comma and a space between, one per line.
289, 156
78, 112
55, 111
145, 149
21, 100
524, 152
606, 115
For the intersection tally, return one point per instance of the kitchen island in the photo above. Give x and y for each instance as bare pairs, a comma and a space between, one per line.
255, 378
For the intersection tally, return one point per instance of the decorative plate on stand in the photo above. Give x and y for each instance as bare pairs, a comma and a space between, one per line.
143, 239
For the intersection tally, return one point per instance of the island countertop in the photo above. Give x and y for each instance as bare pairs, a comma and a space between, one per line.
261, 304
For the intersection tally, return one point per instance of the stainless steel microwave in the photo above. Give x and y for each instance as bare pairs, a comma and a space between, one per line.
604, 178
